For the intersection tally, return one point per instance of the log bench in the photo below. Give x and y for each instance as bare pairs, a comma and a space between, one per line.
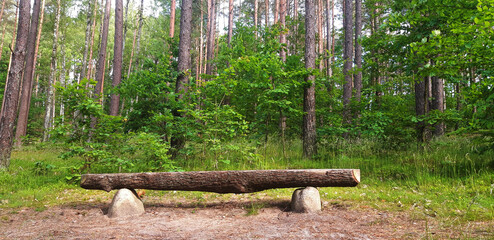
223, 181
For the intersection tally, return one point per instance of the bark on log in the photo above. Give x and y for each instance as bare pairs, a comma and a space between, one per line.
224, 181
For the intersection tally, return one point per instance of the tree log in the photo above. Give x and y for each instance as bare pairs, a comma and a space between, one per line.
224, 181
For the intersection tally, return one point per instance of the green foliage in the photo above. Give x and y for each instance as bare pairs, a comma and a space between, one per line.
43, 168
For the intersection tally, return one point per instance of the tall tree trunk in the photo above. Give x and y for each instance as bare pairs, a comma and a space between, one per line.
358, 50
320, 34
283, 25
329, 27
132, 52
50, 98
11, 96
27, 81
201, 47
211, 33
276, 10
347, 63
38, 38
63, 72
1, 11
3, 40
420, 107
377, 73
458, 88
139, 33
230, 22
266, 12
309, 121
11, 56
283, 58
100, 68
172, 19
256, 9
86, 43
91, 46
438, 103
126, 24
118, 57
178, 140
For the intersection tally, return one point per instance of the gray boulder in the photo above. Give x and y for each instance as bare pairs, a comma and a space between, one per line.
125, 204
306, 200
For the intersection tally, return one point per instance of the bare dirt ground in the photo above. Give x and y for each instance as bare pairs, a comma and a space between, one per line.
228, 219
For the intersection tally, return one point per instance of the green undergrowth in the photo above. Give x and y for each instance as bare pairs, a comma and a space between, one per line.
450, 179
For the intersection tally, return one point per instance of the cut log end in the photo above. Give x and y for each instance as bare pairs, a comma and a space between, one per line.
356, 175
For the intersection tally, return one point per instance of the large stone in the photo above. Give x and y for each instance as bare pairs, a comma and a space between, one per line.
306, 200
125, 204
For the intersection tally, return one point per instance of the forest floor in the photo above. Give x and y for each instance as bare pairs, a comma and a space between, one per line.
248, 216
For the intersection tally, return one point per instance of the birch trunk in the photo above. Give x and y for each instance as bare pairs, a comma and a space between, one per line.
50, 98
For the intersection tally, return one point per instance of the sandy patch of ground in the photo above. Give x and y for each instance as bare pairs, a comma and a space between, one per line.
227, 219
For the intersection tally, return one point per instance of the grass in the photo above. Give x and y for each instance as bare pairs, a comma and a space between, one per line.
451, 179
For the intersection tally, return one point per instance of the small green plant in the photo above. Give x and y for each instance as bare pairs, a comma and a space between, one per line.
43, 168
254, 208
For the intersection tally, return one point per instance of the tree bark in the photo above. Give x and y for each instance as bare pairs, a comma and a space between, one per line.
309, 120
230, 22
438, 103
91, 46
320, 41
38, 38
276, 10
125, 24
3, 40
256, 9
86, 42
50, 98
172, 19
347, 63
11, 96
117, 57
201, 47
211, 33
132, 52
283, 33
329, 36
266, 12
178, 140
420, 108
224, 181
139, 33
100, 68
27, 81
1, 11
358, 51
11, 55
